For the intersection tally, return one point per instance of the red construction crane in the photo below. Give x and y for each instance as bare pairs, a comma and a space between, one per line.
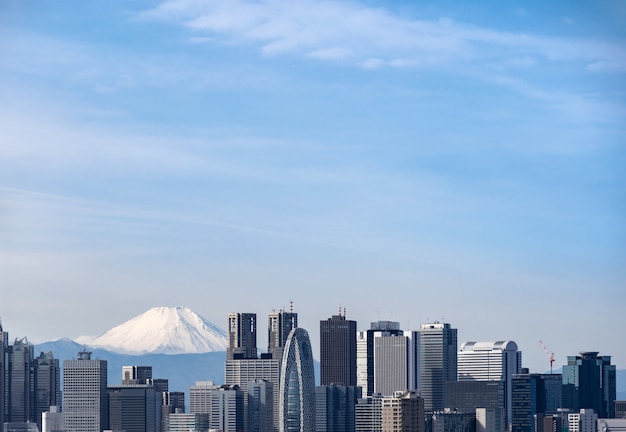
550, 354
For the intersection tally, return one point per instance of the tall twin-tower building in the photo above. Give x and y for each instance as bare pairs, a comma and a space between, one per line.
284, 373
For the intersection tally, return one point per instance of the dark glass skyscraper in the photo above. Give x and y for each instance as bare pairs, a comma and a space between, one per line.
335, 408
338, 351
47, 384
589, 381
279, 325
534, 394
21, 382
241, 336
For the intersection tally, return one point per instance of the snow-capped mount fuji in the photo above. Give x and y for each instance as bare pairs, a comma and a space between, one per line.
162, 330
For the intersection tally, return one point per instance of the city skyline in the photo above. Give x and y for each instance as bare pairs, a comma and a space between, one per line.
412, 162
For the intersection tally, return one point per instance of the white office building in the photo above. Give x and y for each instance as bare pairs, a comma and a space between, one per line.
491, 361
85, 394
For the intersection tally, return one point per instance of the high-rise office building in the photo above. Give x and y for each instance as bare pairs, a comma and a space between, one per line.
338, 351
437, 363
365, 352
21, 382
589, 382
403, 412
335, 408
532, 395
467, 396
369, 414
226, 413
297, 384
223, 404
85, 394
200, 397
279, 325
241, 370
47, 385
4, 349
161, 385
491, 361
395, 362
241, 336
134, 408
172, 402
136, 374
260, 406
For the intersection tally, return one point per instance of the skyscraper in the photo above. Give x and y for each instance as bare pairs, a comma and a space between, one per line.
226, 412
279, 325
134, 408
200, 396
532, 395
365, 353
338, 351
47, 385
491, 361
223, 404
369, 414
335, 408
468, 396
172, 402
85, 394
438, 363
241, 336
589, 381
21, 382
240, 370
297, 384
395, 360
260, 402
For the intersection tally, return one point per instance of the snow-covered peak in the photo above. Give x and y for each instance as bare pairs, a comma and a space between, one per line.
165, 330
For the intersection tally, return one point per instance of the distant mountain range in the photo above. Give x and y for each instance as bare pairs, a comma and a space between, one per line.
182, 370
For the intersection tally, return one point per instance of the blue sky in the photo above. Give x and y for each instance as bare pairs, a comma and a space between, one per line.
411, 161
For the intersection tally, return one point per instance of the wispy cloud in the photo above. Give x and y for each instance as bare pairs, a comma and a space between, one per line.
352, 32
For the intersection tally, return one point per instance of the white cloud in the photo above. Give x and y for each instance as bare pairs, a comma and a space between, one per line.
352, 32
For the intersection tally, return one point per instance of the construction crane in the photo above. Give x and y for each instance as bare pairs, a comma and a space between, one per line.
550, 354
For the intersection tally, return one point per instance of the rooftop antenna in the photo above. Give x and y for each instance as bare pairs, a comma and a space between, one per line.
291, 306
339, 310
344, 311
